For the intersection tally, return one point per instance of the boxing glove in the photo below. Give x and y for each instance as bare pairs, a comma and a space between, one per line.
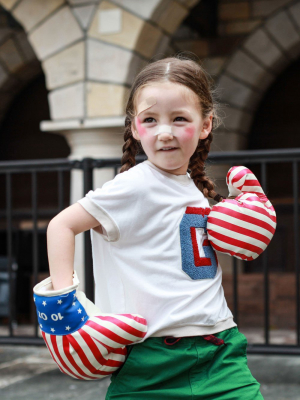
84, 342
244, 226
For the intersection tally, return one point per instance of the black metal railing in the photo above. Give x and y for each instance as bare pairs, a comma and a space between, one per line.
261, 158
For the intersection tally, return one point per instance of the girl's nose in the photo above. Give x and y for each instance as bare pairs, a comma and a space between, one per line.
165, 136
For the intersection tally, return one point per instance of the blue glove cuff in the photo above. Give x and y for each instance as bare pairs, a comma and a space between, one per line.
60, 315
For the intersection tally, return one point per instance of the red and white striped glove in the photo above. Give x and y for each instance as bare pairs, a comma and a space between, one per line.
84, 342
242, 227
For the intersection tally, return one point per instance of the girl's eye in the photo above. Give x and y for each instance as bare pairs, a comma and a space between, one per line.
149, 120
180, 119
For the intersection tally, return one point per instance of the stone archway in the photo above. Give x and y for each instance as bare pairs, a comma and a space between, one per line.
90, 62
250, 71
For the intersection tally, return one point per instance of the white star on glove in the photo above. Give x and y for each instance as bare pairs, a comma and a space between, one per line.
59, 301
73, 304
52, 330
79, 311
68, 328
82, 319
44, 303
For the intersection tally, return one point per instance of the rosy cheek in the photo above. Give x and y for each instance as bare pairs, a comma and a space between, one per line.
141, 130
189, 131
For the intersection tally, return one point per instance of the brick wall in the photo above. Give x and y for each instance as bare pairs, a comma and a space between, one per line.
282, 290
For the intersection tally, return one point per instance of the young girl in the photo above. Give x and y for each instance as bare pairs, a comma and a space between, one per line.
151, 255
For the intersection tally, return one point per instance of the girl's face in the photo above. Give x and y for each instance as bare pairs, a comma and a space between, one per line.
167, 103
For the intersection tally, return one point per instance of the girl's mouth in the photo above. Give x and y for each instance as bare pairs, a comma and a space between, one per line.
168, 149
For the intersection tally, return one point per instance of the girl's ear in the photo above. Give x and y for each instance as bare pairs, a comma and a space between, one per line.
134, 131
207, 127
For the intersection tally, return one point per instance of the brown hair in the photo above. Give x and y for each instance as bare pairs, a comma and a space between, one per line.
190, 74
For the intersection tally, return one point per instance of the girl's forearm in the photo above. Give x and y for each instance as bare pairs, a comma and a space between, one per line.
60, 248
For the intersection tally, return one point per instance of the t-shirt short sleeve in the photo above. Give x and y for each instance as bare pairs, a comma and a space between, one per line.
113, 205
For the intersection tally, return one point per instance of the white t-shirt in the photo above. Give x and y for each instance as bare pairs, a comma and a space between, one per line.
153, 257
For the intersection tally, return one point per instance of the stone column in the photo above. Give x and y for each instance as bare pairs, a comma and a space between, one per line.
95, 139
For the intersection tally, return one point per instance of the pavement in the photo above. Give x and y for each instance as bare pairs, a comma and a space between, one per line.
29, 373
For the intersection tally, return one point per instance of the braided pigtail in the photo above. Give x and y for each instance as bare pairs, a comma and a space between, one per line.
197, 168
130, 148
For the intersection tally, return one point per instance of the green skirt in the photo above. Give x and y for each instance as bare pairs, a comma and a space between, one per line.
190, 368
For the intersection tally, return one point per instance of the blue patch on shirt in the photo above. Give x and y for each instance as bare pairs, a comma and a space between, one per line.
195, 266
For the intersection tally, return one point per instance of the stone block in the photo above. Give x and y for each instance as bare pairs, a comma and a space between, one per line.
10, 56
262, 47
238, 28
200, 47
228, 141
8, 4
31, 12
148, 40
112, 64
57, 32
245, 68
233, 11
144, 9
281, 27
189, 3
65, 67
76, 2
3, 76
213, 65
263, 8
5, 32
84, 15
134, 35
294, 13
184, 32
110, 21
163, 49
237, 94
223, 46
237, 120
169, 52
25, 46
105, 99
172, 16
126, 20
67, 102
